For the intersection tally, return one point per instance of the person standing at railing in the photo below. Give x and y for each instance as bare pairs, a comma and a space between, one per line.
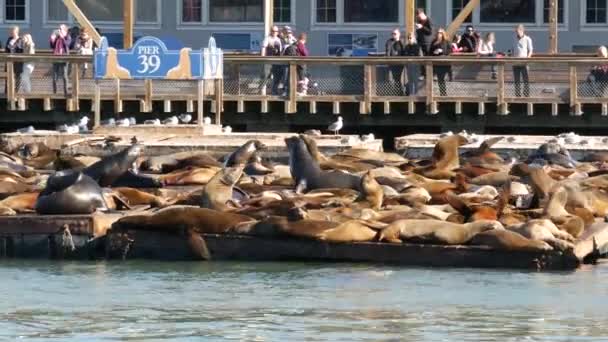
273, 47
302, 51
424, 34
522, 48
439, 48
14, 45
394, 47
487, 49
411, 49
60, 44
598, 75
469, 41
84, 46
28, 68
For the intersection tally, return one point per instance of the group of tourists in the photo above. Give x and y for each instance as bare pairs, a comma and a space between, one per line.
425, 41
61, 42
284, 43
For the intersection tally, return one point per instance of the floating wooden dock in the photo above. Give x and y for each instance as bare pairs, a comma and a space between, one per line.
85, 237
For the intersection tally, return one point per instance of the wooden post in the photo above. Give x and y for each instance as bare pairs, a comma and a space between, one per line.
97, 105
366, 106
410, 15
455, 25
553, 24
128, 21
500, 93
82, 20
574, 104
75, 86
293, 87
219, 100
268, 16
10, 85
200, 109
430, 101
117, 98
148, 96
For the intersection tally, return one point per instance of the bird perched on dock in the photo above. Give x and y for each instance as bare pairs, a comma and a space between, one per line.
83, 124
172, 121
155, 122
69, 129
368, 137
185, 118
28, 129
123, 123
108, 123
336, 126
132, 121
206, 120
227, 129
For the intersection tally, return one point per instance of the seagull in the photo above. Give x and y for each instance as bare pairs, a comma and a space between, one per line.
28, 129
109, 123
155, 122
185, 118
123, 123
336, 126
227, 129
172, 121
71, 129
368, 137
83, 121
132, 121
206, 120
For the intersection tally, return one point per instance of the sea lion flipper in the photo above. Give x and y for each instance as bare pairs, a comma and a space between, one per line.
488, 143
198, 246
459, 205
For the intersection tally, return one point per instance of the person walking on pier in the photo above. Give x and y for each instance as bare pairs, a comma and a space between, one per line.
273, 47
60, 44
302, 51
28, 68
522, 48
394, 47
411, 49
441, 47
14, 45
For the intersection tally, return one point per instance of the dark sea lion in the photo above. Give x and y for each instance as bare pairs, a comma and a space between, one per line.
483, 153
308, 175
177, 161
554, 154
70, 193
242, 155
256, 167
537, 178
76, 163
435, 231
351, 164
509, 241
445, 158
109, 169
218, 193
133, 180
172, 219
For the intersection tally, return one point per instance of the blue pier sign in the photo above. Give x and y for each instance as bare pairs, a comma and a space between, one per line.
150, 59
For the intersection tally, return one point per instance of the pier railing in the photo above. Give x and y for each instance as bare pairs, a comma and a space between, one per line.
362, 80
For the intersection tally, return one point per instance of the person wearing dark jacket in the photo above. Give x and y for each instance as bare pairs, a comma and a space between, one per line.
411, 49
394, 48
14, 44
441, 47
60, 42
424, 31
469, 41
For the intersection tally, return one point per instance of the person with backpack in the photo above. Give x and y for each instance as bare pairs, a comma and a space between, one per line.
273, 47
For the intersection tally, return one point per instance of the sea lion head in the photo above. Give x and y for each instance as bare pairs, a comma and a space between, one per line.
296, 214
254, 145
520, 170
134, 151
231, 175
29, 151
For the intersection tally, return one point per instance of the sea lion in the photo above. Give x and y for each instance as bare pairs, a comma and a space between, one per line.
308, 175
109, 169
255, 166
537, 178
242, 155
496, 179
341, 162
133, 180
435, 231
219, 191
483, 153
553, 153
545, 230
445, 158
76, 163
25, 202
555, 210
199, 176
137, 197
70, 193
183, 69
37, 155
503, 239
371, 191
172, 219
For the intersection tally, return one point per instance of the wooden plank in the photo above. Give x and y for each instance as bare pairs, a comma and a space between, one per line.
553, 25
128, 22
460, 18
82, 20
75, 87
293, 87
10, 85
410, 15
268, 16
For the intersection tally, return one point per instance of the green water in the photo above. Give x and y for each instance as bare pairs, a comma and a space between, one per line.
149, 301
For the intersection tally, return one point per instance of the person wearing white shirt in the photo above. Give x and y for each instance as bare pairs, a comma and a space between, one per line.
522, 48
486, 49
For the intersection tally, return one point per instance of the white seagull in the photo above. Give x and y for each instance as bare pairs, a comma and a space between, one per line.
109, 123
123, 123
155, 122
132, 121
206, 120
227, 129
69, 129
185, 118
28, 129
172, 121
336, 126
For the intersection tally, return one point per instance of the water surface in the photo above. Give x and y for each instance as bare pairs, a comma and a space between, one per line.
42, 300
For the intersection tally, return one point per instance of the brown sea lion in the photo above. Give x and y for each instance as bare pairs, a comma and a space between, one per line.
25, 202
496, 179
350, 165
181, 160
435, 231
502, 239
545, 230
198, 176
537, 178
555, 210
136, 197
37, 155
243, 154
256, 167
218, 193
445, 158
371, 191
483, 154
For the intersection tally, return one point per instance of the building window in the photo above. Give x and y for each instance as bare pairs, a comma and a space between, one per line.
14, 10
56, 11
326, 11
457, 6
192, 11
282, 11
507, 11
560, 11
235, 10
596, 12
363, 11
112, 10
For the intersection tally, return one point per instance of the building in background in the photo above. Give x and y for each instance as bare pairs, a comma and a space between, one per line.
334, 26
